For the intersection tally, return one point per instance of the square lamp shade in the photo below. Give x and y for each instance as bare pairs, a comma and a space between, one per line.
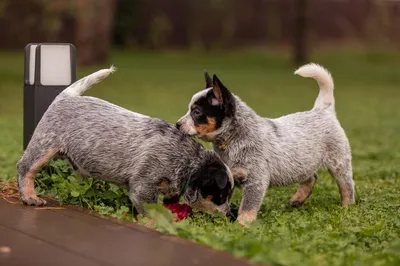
49, 69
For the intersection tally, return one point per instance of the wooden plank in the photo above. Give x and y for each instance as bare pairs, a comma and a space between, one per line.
103, 241
20, 249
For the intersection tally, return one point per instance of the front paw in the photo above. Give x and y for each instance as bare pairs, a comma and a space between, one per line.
232, 215
33, 201
294, 204
247, 217
150, 223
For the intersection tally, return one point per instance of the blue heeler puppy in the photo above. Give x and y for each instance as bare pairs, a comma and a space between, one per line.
263, 152
147, 155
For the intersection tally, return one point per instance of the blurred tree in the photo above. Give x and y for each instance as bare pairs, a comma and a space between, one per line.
160, 30
93, 36
104, 20
204, 25
379, 23
300, 51
126, 22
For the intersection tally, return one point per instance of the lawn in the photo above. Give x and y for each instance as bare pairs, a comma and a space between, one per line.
320, 232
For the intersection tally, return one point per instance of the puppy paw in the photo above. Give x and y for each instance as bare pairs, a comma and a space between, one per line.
33, 201
150, 223
348, 201
246, 218
244, 221
232, 215
295, 204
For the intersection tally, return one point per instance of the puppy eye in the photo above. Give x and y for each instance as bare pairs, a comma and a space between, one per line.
196, 111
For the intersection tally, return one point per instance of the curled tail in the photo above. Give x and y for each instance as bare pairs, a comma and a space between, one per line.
82, 85
325, 97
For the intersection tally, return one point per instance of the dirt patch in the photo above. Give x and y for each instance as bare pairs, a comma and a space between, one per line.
9, 189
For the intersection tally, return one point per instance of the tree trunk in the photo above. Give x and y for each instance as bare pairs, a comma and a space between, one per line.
104, 20
94, 31
300, 49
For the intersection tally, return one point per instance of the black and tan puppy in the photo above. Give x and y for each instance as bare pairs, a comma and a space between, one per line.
105, 141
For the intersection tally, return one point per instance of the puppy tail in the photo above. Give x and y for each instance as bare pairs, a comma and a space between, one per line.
325, 97
82, 85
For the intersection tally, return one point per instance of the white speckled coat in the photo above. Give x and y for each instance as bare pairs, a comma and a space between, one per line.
263, 152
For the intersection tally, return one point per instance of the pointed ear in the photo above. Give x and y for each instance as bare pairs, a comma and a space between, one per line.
222, 179
209, 81
217, 89
224, 97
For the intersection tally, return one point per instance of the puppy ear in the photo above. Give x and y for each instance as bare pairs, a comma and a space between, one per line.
217, 89
209, 81
219, 175
222, 179
224, 97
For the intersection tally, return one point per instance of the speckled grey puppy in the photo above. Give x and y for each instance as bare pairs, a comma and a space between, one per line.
147, 155
263, 152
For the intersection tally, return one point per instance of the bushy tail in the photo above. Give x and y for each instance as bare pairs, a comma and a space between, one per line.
82, 85
325, 97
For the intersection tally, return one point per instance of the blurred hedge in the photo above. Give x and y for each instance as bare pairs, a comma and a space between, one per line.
206, 23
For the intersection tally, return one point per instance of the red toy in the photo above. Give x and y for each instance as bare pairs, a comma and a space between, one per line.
182, 210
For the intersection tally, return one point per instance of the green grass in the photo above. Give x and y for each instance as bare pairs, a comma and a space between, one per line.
319, 233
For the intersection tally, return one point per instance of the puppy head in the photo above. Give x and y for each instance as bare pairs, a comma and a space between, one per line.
207, 110
210, 187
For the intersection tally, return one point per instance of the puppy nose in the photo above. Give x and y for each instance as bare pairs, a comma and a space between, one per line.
178, 125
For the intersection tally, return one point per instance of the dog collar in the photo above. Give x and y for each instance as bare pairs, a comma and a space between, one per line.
185, 187
224, 145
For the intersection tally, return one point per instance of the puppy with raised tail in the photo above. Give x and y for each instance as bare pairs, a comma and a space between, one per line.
263, 152
147, 155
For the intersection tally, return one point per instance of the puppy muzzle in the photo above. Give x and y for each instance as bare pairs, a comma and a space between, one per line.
186, 126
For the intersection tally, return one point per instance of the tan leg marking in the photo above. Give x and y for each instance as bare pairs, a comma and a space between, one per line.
304, 191
150, 223
28, 190
343, 174
245, 218
347, 197
346, 190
